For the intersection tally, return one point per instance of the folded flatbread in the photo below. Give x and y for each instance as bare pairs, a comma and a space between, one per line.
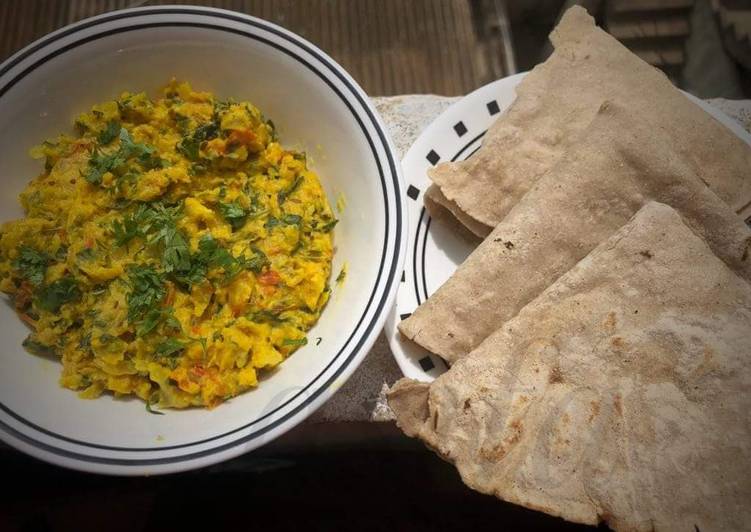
619, 165
557, 100
621, 394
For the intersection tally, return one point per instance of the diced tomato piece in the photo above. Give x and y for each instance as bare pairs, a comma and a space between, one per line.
241, 136
269, 278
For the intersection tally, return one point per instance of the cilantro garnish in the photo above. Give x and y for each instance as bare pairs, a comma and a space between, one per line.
147, 291
290, 341
327, 227
100, 164
190, 145
32, 264
55, 295
109, 133
234, 214
284, 194
169, 348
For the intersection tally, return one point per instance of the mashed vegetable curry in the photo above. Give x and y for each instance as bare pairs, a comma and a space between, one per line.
172, 251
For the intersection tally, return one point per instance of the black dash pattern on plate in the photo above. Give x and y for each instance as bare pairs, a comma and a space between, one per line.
493, 108
426, 363
433, 157
402, 275
413, 192
405, 316
460, 128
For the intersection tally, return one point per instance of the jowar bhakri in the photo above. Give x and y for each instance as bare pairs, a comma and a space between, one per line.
618, 165
620, 394
556, 101
599, 336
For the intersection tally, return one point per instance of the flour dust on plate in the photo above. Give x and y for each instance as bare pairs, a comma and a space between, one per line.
435, 248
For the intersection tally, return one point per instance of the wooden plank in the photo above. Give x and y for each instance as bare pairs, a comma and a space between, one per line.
389, 46
622, 6
669, 25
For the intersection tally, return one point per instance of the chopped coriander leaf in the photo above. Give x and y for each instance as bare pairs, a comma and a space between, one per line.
190, 145
168, 348
100, 164
36, 348
130, 226
257, 261
284, 194
300, 341
32, 264
156, 316
197, 169
292, 219
147, 291
176, 254
234, 214
342, 275
151, 410
109, 133
318, 340
287, 219
182, 122
265, 316
327, 227
55, 295
86, 254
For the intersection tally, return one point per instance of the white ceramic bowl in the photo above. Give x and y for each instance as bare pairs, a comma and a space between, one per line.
316, 106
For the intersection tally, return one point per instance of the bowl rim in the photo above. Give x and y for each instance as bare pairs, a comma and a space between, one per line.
48, 446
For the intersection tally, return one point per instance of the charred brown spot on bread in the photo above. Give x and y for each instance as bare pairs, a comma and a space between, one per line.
610, 322
555, 376
508, 244
646, 254
617, 342
498, 451
618, 405
595, 410
467, 404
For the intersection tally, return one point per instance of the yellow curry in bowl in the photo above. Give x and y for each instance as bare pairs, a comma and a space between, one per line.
171, 251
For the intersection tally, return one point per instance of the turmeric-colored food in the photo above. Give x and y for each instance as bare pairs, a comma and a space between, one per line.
172, 250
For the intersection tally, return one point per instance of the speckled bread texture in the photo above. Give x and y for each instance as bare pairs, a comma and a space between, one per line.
558, 100
620, 394
620, 164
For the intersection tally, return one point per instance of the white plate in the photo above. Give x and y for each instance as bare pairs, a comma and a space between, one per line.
434, 251
316, 107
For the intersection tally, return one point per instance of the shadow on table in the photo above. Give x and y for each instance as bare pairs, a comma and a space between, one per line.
363, 476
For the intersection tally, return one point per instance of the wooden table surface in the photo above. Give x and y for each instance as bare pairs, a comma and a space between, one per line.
389, 46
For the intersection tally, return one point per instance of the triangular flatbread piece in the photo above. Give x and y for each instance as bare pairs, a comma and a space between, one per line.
620, 394
557, 101
619, 165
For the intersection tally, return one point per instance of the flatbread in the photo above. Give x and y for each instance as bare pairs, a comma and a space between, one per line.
445, 211
558, 99
621, 394
618, 166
